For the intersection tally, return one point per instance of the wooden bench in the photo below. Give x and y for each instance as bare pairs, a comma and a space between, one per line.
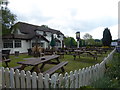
17, 67
56, 67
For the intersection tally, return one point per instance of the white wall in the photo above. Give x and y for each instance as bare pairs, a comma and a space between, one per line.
24, 46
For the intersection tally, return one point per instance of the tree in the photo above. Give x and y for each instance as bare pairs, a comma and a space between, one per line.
70, 42
8, 19
87, 36
88, 39
52, 43
107, 38
98, 42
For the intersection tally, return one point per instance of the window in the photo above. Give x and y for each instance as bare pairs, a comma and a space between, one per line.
17, 43
8, 43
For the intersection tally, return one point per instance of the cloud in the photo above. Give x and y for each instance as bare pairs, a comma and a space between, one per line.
97, 33
68, 16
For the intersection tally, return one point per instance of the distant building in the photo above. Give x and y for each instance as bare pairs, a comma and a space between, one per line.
114, 43
23, 37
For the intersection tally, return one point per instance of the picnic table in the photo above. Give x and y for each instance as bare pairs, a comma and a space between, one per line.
42, 60
78, 52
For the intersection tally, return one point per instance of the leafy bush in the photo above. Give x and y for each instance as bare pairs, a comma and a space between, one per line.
112, 75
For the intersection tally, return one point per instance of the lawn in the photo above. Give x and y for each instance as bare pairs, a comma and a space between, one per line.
79, 63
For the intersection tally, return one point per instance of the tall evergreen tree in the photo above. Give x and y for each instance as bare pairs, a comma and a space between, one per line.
107, 38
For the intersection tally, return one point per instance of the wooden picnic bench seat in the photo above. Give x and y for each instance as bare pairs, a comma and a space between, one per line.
56, 67
17, 67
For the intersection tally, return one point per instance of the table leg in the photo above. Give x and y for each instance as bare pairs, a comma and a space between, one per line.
58, 60
42, 65
63, 70
6, 64
22, 67
36, 68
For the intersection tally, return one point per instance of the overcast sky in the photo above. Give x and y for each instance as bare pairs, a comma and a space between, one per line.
70, 16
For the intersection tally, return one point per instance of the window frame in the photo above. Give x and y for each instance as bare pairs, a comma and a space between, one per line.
17, 43
7, 43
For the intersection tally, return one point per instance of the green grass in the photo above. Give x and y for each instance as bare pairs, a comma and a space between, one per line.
79, 63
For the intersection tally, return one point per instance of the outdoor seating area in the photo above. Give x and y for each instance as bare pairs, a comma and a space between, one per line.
34, 62
51, 61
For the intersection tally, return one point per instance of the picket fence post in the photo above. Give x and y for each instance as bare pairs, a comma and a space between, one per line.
34, 80
47, 81
3, 77
7, 77
17, 79
76, 78
40, 80
28, 80
90, 75
0, 78
22, 78
66, 80
60, 81
80, 77
12, 80
71, 79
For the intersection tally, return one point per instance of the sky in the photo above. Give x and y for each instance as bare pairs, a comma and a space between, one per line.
70, 16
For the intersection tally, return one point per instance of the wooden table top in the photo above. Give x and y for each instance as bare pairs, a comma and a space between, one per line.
36, 61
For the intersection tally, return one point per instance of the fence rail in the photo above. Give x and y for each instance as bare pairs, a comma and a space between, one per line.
11, 78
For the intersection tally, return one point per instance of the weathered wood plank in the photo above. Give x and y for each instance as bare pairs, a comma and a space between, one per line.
56, 67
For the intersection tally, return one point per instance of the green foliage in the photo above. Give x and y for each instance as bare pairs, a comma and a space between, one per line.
52, 43
107, 38
70, 42
7, 21
112, 75
98, 42
88, 39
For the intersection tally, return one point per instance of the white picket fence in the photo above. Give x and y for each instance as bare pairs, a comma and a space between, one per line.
82, 77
